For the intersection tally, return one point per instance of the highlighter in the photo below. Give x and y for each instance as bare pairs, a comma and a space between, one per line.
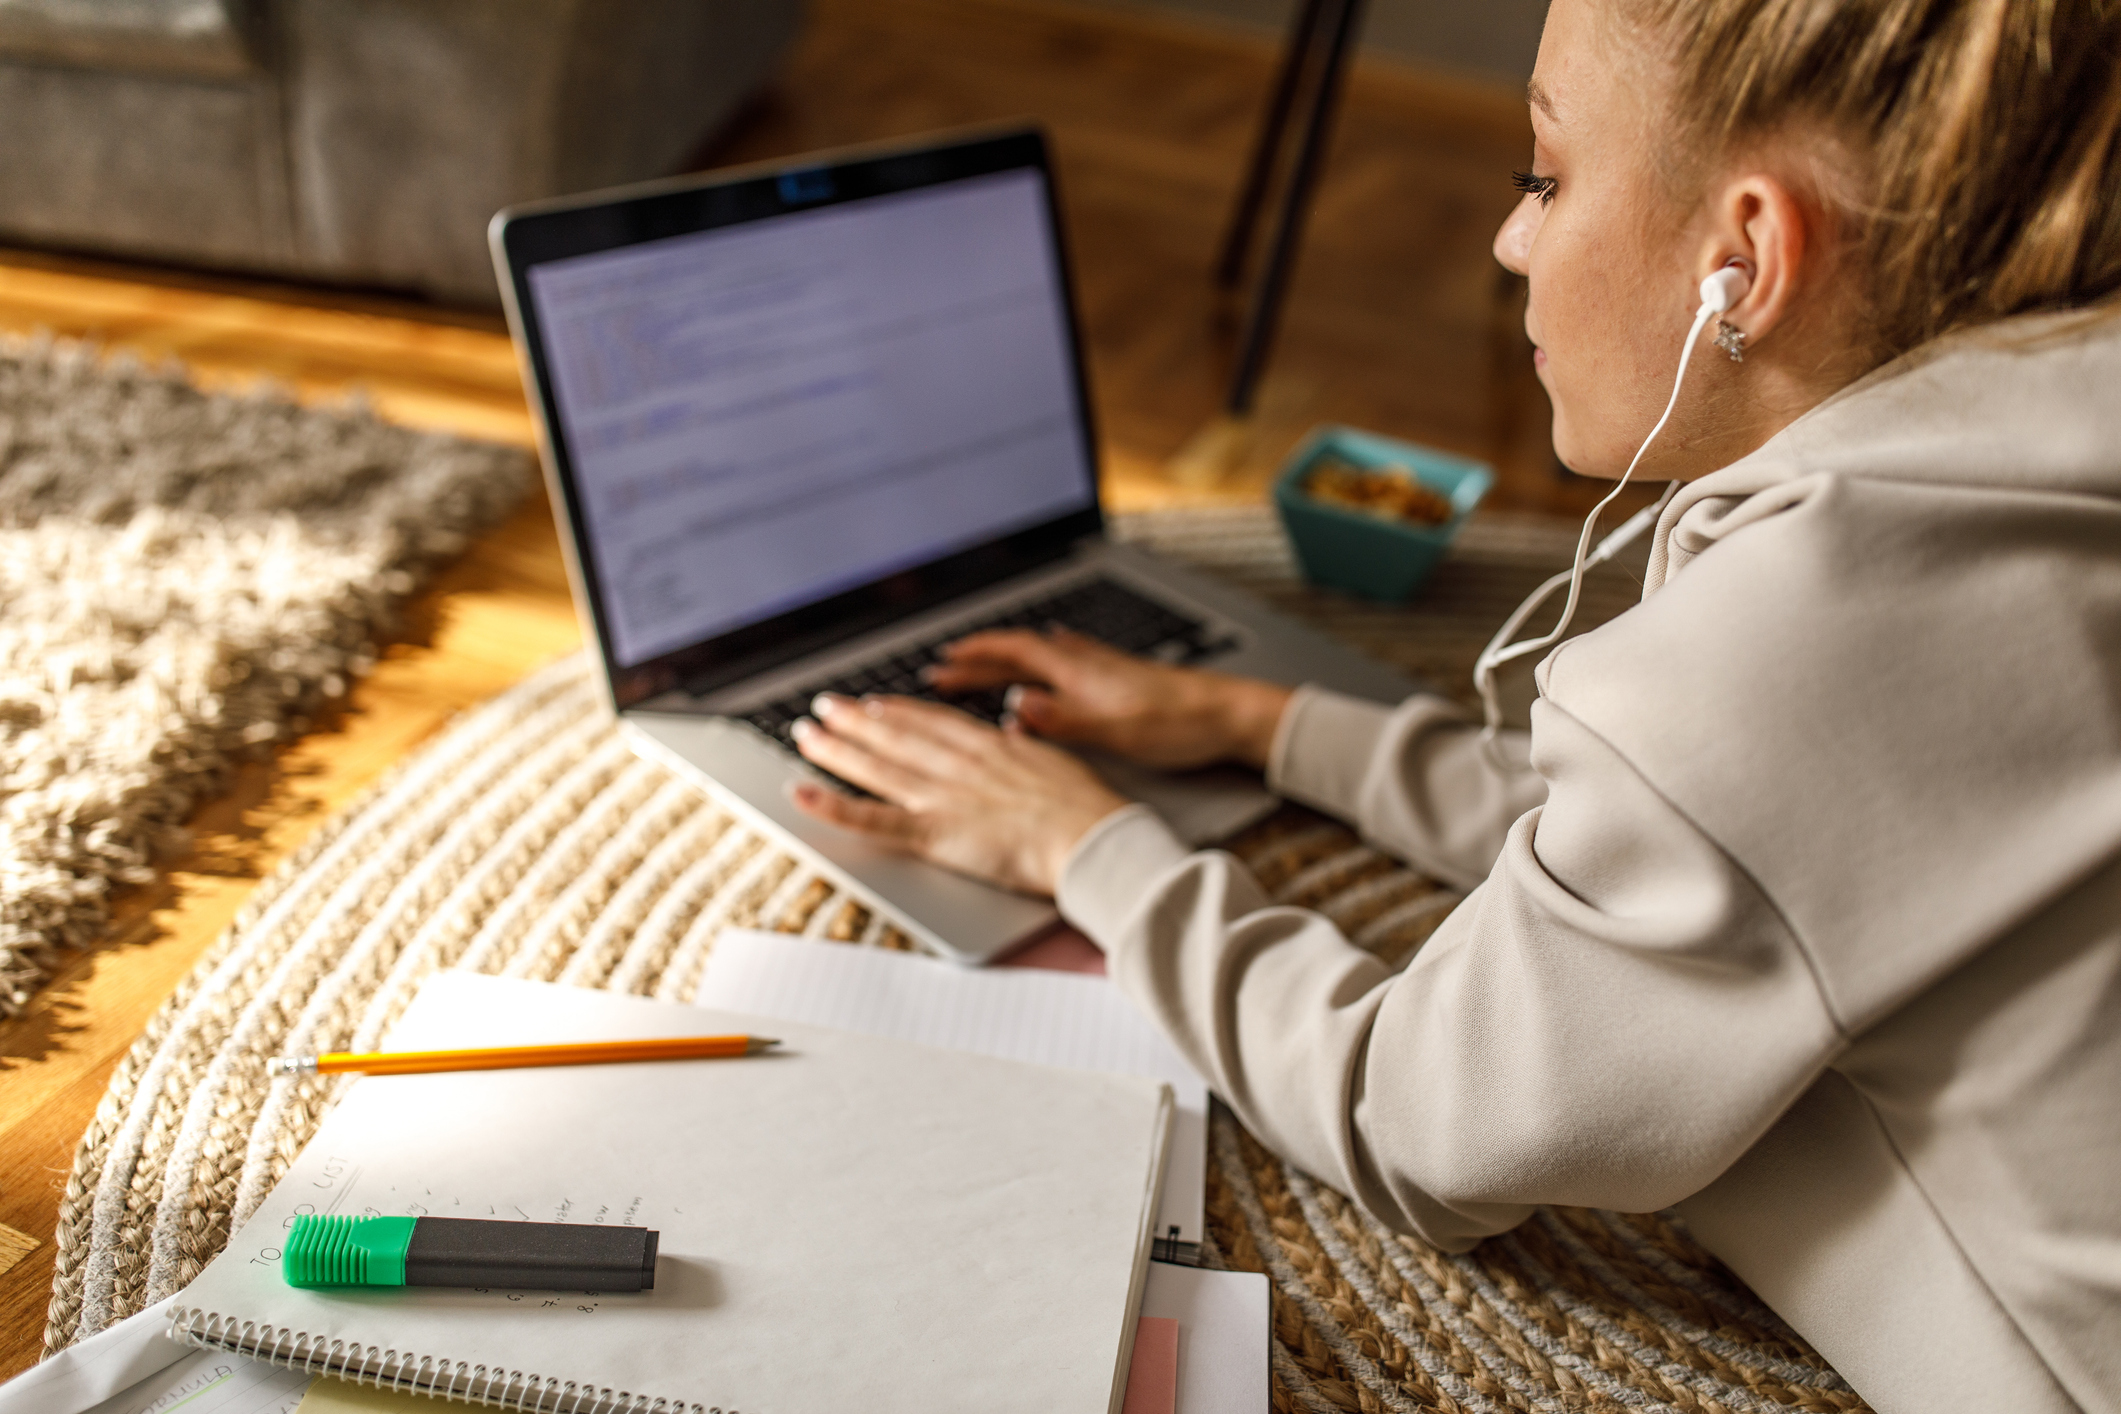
507, 1256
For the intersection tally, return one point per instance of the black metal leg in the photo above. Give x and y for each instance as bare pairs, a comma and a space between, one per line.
1304, 31
1265, 314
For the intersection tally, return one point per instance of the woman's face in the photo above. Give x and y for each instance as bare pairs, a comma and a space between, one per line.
1605, 248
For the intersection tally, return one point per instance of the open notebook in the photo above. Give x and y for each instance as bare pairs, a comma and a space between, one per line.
1050, 1018
856, 1224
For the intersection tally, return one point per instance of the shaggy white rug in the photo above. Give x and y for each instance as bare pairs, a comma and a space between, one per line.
184, 577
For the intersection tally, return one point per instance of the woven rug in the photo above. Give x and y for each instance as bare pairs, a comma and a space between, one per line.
184, 578
527, 840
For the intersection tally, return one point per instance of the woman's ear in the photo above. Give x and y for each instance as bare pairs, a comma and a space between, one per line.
1759, 220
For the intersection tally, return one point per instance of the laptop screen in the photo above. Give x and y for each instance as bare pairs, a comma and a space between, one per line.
763, 415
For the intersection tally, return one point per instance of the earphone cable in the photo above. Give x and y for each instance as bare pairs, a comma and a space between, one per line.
1500, 650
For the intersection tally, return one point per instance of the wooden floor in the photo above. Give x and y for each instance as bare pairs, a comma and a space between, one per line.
1397, 321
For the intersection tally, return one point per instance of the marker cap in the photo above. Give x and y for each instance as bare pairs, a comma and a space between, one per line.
333, 1251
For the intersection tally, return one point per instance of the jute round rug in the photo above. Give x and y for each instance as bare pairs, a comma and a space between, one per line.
529, 841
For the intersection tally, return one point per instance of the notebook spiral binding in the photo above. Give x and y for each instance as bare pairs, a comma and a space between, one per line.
409, 1372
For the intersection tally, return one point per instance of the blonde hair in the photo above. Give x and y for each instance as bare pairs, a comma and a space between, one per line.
1984, 137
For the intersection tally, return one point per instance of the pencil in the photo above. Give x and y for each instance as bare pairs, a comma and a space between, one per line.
511, 1057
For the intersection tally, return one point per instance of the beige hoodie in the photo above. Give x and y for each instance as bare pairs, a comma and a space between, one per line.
1807, 918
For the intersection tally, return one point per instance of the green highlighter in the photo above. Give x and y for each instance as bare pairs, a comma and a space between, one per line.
505, 1256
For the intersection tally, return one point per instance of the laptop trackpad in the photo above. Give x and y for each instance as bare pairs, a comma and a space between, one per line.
1202, 807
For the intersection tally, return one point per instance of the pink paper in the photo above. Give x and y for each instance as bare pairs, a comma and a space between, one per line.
1152, 1380
1058, 949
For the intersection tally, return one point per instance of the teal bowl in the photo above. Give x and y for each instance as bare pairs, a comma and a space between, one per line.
1369, 555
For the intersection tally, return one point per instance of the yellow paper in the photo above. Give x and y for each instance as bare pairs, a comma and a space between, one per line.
329, 1396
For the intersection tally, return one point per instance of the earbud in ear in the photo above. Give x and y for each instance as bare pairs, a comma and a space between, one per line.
1726, 287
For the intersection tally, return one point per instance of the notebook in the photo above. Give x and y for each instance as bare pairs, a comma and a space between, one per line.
1050, 1018
1200, 1347
208, 1382
1218, 1319
1224, 1336
858, 1223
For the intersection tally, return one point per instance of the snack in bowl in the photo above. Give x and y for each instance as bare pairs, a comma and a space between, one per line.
1358, 540
1390, 492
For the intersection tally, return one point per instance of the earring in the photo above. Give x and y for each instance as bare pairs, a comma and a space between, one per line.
1731, 339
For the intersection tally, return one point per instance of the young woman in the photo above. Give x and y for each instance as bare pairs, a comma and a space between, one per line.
1800, 905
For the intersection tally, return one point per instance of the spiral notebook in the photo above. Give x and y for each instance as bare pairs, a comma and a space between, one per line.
856, 1224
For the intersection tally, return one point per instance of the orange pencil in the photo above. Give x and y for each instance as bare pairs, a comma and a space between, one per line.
510, 1057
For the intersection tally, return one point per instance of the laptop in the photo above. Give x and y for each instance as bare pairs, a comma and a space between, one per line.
806, 423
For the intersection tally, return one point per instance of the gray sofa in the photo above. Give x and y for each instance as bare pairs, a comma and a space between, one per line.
356, 141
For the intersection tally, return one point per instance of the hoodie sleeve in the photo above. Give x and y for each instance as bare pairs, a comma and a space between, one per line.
1412, 778
1610, 1019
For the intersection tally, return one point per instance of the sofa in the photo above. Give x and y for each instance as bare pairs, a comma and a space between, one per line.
363, 142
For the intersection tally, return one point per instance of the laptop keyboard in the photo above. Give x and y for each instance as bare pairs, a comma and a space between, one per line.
1100, 608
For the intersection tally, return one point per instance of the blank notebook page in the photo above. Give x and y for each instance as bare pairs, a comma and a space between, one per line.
854, 1224
1048, 1018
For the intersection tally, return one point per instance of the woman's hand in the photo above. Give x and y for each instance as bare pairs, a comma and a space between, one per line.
985, 801
1076, 689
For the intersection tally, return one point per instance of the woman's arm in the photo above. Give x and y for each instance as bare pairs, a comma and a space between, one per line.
1611, 1019
1412, 779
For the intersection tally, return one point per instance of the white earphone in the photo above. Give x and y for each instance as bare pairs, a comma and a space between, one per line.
1725, 288
1719, 293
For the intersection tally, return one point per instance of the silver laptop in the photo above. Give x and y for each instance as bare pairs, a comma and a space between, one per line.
805, 424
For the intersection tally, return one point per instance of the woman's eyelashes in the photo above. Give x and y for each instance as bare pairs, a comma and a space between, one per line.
1541, 187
